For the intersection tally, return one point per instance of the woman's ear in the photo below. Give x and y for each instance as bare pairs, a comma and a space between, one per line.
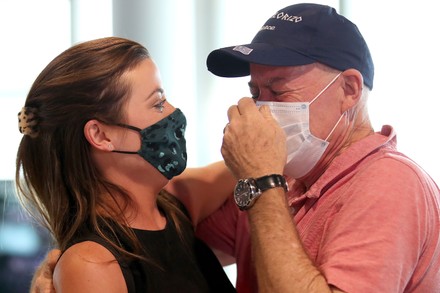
352, 86
96, 134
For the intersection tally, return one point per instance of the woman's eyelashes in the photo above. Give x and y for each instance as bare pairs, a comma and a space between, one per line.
160, 105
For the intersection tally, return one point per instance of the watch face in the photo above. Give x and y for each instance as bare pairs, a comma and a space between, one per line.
242, 194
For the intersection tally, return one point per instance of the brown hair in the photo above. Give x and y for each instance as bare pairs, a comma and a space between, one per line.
56, 179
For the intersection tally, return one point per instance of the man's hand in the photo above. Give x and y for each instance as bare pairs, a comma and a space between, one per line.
42, 281
254, 145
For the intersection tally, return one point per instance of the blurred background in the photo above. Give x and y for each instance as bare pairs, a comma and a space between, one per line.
402, 35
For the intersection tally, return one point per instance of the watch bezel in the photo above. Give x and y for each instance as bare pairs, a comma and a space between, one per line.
245, 193
248, 190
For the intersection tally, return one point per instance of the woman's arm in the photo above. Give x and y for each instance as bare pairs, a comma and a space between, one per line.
203, 190
88, 267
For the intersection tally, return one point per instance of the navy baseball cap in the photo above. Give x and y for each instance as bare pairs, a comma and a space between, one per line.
299, 34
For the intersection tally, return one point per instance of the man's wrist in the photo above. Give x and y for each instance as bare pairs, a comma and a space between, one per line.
248, 190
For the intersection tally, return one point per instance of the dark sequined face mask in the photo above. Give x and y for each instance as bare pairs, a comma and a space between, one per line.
163, 144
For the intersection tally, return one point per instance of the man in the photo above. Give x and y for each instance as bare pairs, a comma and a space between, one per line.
358, 215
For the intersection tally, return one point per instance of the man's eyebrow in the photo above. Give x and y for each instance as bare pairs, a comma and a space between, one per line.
269, 82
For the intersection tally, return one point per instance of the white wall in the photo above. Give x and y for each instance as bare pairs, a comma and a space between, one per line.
404, 40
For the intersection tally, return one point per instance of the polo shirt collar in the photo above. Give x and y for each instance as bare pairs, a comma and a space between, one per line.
344, 163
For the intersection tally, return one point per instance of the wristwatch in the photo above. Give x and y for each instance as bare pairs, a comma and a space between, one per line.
248, 190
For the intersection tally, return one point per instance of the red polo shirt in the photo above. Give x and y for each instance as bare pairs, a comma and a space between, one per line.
371, 223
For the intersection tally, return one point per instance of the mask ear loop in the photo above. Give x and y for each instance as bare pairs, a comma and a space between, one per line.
131, 128
317, 96
334, 127
323, 90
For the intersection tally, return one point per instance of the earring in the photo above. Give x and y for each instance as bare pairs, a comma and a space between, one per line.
110, 146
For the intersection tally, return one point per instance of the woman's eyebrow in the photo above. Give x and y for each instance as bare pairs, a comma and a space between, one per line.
155, 91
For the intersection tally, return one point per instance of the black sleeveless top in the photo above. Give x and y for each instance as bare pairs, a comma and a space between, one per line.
176, 266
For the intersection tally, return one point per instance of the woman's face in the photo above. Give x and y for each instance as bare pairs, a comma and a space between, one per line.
146, 103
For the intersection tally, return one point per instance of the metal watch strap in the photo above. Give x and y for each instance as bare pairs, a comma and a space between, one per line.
271, 181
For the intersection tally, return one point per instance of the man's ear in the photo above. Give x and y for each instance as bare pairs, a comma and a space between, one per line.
97, 135
352, 86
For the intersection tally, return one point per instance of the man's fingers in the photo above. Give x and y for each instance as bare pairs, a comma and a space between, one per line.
246, 105
265, 111
233, 112
43, 276
52, 258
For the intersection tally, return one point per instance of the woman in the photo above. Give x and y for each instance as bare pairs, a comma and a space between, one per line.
100, 143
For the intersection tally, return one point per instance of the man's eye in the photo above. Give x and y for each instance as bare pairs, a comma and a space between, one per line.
278, 92
254, 94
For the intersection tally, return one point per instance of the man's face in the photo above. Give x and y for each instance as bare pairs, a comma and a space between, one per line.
300, 84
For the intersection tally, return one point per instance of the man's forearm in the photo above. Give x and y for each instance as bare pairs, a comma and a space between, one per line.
281, 262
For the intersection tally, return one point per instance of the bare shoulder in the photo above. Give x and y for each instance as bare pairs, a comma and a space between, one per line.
88, 267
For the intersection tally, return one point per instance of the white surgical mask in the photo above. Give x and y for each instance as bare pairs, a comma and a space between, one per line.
304, 150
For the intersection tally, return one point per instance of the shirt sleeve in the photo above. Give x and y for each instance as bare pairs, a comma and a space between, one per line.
227, 230
220, 228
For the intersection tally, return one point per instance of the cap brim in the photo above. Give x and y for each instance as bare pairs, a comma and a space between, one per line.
234, 61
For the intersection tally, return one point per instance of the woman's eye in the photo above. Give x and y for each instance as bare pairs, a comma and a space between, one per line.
160, 106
